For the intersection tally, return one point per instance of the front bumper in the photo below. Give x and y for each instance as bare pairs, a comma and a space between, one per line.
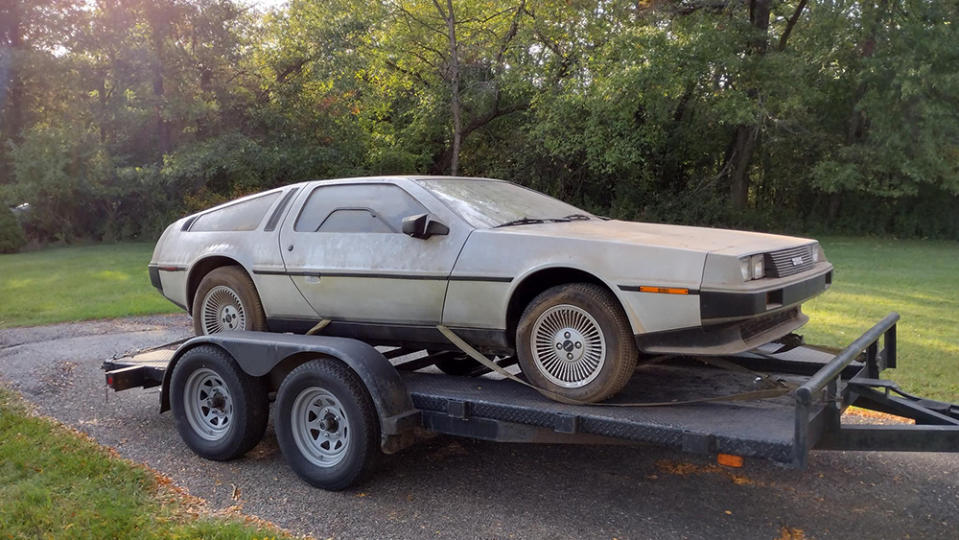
717, 306
734, 321
725, 338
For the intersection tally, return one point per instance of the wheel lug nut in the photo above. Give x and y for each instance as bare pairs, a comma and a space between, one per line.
566, 335
569, 356
579, 345
559, 346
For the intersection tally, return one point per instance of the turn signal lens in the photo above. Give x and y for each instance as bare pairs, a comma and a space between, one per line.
663, 290
744, 268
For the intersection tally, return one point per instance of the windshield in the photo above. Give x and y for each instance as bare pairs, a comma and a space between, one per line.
490, 203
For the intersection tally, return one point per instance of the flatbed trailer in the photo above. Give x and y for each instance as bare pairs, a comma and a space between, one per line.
700, 407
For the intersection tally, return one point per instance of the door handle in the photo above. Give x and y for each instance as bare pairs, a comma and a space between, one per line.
289, 247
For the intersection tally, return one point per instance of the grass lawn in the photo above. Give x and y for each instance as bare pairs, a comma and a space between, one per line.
78, 283
917, 278
55, 483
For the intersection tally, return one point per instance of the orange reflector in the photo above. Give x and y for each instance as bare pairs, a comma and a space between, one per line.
729, 460
663, 290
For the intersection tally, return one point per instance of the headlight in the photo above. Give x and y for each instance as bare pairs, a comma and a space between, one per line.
753, 267
757, 266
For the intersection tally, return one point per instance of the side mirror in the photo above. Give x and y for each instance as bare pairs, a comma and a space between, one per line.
423, 226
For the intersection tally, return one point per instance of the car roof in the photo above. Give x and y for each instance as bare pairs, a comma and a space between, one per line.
408, 177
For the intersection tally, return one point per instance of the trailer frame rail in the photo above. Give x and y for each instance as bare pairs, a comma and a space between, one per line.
936, 427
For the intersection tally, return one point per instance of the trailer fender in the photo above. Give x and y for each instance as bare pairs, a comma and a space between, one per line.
257, 353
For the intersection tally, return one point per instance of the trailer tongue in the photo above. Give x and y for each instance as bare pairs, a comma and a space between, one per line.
404, 395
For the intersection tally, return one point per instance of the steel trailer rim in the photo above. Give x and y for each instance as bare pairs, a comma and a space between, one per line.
320, 426
568, 346
208, 404
222, 310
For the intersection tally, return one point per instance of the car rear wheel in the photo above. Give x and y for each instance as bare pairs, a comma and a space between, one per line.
227, 300
574, 340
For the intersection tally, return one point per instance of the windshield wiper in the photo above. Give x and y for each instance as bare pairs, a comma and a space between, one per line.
531, 221
521, 221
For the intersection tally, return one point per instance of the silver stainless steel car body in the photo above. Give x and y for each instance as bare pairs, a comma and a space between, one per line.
681, 288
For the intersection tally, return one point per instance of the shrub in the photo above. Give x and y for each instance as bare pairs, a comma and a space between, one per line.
11, 234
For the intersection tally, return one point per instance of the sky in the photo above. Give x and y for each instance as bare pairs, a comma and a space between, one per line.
263, 4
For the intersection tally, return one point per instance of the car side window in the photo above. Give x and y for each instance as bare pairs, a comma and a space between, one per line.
354, 220
344, 208
241, 216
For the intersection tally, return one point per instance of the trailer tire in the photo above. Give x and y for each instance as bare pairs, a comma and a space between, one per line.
220, 411
326, 424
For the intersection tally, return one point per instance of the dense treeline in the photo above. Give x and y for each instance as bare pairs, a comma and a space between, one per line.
808, 115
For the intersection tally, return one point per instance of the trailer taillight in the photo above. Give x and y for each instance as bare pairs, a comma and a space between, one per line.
729, 460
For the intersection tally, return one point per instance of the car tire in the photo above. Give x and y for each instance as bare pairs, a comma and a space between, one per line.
226, 299
575, 341
326, 424
220, 411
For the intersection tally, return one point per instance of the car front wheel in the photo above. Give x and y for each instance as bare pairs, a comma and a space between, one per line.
574, 340
225, 300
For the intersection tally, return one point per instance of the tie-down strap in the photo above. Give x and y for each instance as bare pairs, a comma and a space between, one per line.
781, 387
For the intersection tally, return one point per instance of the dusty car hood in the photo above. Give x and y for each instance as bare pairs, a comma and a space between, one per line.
703, 239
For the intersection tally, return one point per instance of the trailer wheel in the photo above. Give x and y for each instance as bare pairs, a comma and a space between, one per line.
326, 424
220, 412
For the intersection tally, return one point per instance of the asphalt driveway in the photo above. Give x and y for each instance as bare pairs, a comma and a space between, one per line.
457, 488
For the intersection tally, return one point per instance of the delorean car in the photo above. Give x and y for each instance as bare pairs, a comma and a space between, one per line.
576, 297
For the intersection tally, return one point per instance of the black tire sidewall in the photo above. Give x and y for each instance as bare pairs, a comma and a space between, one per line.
334, 377
250, 413
234, 278
607, 382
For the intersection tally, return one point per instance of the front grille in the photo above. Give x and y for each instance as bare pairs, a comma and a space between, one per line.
754, 327
784, 263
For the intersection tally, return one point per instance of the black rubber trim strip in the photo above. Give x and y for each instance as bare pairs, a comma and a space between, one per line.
426, 277
718, 305
494, 279
188, 223
635, 288
275, 217
282, 273
167, 267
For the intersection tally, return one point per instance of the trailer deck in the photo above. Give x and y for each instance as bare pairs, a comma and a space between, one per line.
782, 429
505, 411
